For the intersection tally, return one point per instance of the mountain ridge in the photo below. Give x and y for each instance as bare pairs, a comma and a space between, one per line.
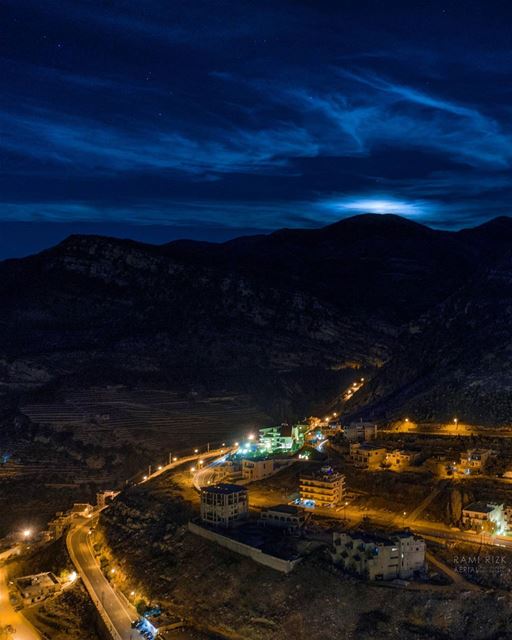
288, 317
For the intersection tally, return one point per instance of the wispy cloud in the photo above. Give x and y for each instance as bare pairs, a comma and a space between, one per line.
88, 145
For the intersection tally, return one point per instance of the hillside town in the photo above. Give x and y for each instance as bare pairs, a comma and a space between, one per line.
286, 492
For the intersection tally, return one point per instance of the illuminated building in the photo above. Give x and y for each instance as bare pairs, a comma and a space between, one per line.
474, 460
81, 509
224, 505
37, 587
257, 469
484, 517
398, 555
367, 456
285, 437
399, 459
324, 488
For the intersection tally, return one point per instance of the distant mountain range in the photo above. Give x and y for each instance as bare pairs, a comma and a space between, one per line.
289, 317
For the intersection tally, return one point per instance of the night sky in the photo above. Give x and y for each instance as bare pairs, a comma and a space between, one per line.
163, 119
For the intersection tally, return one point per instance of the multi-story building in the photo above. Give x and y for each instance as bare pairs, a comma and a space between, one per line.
399, 459
285, 437
257, 469
224, 505
367, 455
484, 517
284, 516
360, 431
324, 488
473, 461
399, 555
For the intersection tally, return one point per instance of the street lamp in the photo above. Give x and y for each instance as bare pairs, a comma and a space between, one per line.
27, 533
405, 514
196, 450
251, 436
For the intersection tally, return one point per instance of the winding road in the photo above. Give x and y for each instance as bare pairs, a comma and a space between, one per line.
116, 612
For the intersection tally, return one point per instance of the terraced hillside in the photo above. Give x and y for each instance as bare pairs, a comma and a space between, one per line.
150, 418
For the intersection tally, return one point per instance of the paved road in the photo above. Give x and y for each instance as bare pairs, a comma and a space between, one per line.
209, 474
112, 606
116, 611
24, 630
199, 456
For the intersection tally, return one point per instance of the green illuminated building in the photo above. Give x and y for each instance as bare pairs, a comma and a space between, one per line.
285, 438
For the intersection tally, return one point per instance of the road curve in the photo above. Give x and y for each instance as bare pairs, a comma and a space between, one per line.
115, 611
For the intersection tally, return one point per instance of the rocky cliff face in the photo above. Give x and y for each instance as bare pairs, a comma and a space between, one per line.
456, 360
286, 316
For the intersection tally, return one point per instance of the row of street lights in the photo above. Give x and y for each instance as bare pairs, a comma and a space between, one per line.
160, 467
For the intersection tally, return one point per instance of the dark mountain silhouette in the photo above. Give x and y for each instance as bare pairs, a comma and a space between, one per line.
287, 317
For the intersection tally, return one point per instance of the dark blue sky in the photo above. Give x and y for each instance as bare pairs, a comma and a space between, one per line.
160, 119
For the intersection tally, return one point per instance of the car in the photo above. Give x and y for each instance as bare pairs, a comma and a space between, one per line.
135, 623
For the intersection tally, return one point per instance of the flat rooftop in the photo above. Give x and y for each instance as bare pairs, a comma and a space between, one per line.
369, 446
39, 580
225, 488
285, 508
479, 507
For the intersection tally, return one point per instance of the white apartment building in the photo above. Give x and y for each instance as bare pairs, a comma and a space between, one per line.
223, 505
399, 555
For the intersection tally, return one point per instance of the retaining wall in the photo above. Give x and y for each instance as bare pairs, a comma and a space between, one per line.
284, 566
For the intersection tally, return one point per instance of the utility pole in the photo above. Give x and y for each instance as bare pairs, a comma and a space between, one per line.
170, 457
208, 449
149, 471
